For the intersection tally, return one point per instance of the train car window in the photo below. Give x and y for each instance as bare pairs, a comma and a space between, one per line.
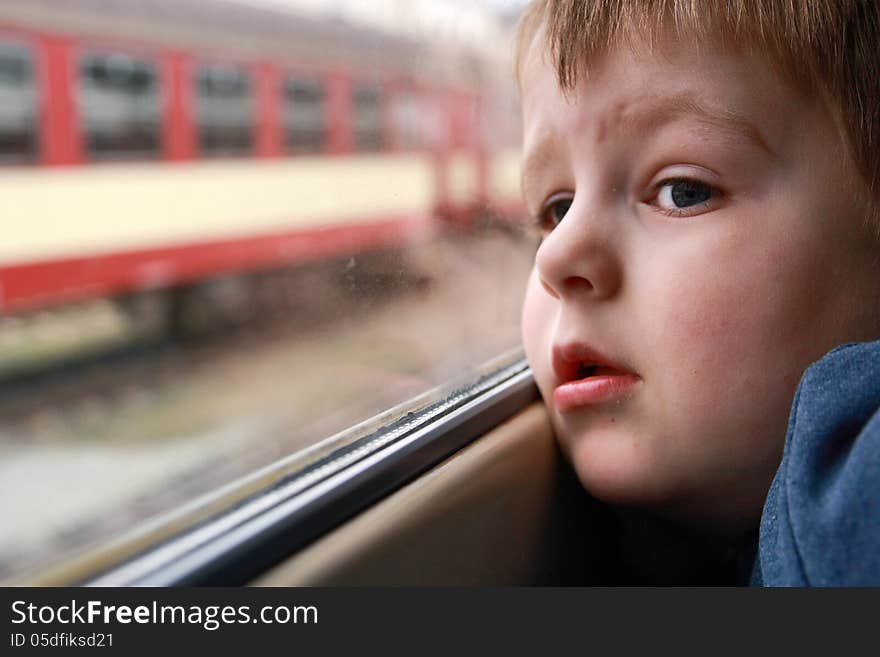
119, 105
18, 103
407, 120
225, 110
185, 333
367, 117
305, 120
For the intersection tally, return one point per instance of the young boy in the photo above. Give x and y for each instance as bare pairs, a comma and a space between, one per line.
706, 178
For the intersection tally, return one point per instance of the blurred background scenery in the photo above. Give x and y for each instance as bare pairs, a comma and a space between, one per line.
233, 230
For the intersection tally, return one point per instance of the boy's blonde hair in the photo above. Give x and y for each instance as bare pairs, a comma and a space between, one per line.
827, 47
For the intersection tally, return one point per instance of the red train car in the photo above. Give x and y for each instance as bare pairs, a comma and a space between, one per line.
153, 145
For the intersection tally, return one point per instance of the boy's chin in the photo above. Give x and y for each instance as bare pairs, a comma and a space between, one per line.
615, 468
618, 470
620, 464
642, 486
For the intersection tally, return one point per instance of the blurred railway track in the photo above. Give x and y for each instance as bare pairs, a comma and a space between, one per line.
83, 376
153, 358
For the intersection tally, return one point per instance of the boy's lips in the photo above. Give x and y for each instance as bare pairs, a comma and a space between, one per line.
587, 377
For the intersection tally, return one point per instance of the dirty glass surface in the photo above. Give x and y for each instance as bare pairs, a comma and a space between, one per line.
314, 217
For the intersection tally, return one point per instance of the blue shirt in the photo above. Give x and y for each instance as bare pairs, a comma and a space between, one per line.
821, 519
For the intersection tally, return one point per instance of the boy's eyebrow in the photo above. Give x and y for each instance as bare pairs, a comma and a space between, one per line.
657, 113
652, 117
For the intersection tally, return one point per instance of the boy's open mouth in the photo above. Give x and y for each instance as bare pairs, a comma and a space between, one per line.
576, 361
586, 370
587, 378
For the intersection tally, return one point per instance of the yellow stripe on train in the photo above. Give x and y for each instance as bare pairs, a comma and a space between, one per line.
104, 208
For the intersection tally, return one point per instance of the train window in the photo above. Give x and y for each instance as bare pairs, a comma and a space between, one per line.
367, 116
18, 103
407, 120
119, 105
177, 336
225, 110
304, 115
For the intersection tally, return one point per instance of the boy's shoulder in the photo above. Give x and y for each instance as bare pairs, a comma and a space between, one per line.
821, 520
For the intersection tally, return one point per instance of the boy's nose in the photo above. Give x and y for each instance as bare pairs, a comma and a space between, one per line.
578, 259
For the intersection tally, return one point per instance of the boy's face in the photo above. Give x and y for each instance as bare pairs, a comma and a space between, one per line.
705, 243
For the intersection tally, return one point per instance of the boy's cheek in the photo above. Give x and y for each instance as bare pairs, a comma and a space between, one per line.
729, 321
737, 338
723, 331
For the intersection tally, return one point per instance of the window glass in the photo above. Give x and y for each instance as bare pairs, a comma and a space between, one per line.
225, 110
367, 116
119, 105
405, 113
305, 121
173, 330
18, 103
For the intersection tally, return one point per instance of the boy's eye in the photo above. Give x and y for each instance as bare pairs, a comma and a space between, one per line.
554, 211
678, 197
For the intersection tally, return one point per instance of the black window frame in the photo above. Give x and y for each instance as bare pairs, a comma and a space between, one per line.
225, 138
368, 131
20, 147
141, 135
309, 136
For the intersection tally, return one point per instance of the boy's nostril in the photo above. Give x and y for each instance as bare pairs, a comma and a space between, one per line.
578, 282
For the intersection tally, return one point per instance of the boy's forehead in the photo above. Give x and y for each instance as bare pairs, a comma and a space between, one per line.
631, 91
